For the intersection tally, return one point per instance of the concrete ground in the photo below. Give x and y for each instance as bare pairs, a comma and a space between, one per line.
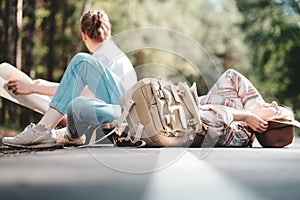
152, 173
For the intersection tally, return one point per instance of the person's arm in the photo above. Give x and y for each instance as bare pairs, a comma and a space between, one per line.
256, 123
38, 86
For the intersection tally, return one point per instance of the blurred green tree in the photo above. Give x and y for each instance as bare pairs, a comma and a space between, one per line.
272, 29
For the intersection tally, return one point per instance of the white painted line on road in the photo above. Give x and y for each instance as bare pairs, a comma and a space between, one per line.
190, 178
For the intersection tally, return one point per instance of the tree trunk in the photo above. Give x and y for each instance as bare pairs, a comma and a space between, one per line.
5, 51
2, 30
6, 29
18, 37
51, 39
17, 53
29, 37
29, 7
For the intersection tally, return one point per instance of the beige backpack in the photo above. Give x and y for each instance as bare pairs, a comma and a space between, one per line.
160, 113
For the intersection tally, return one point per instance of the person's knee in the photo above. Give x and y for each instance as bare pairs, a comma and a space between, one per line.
78, 60
232, 74
77, 106
85, 110
231, 71
81, 56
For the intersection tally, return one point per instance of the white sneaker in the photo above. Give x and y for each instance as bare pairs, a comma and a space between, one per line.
33, 136
63, 138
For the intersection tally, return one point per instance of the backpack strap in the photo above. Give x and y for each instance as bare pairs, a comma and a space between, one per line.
120, 123
93, 140
139, 133
192, 106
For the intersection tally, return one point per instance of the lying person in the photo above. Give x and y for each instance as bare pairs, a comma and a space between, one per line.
233, 110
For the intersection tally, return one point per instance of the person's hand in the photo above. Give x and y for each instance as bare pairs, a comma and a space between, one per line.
20, 86
256, 123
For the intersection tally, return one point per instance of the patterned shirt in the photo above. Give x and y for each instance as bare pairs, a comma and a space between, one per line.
231, 91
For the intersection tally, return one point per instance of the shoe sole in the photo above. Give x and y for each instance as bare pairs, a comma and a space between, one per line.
35, 146
69, 145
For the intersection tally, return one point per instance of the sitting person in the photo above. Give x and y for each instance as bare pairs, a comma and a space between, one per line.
107, 72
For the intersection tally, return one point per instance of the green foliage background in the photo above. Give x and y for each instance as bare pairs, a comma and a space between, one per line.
259, 38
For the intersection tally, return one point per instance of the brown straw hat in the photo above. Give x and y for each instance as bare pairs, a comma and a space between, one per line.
281, 131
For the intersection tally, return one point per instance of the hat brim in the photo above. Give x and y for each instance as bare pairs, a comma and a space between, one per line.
287, 122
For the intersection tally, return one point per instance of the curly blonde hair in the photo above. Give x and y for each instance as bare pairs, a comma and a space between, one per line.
96, 25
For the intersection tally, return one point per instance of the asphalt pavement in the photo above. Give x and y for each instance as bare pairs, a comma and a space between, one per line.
152, 173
